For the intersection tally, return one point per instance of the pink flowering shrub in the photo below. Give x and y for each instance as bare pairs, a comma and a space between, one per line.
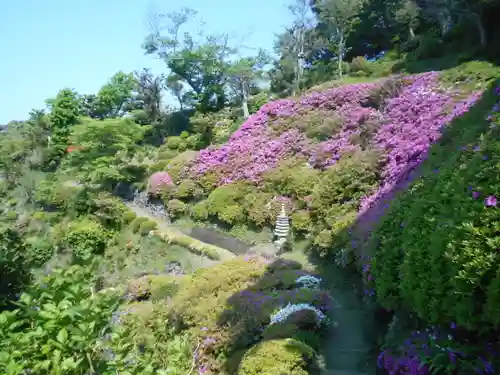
159, 181
384, 127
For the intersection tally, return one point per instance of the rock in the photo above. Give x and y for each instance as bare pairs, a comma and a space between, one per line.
139, 289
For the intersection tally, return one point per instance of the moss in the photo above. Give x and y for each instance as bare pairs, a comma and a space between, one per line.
286, 356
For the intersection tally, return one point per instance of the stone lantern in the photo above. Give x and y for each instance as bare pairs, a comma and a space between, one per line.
281, 229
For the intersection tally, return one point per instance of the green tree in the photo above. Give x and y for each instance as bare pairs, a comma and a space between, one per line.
200, 63
64, 114
242, 73
104, 148
113, 98
339, 18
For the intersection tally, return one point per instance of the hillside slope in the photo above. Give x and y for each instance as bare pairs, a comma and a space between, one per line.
329, 156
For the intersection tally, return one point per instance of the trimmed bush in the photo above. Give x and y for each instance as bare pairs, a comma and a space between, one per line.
147, 226
128, 217
437, 246
286, 356
85, 238
176, 208
136, 223
158, 182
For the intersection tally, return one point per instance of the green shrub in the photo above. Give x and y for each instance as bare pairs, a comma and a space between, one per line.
188, 189
59, 306
360, 64
437, 246
11, 215
226, 202
257, 208
177, 167
176, 208
173, 142
257, 101
336, 197
475, 74
301, 221
109, 210
222, 299
14, 265
128, 217
286, 356
167, 154
147, 226
86, 238
292, 178
184, 134
199, 211
159, 166
136, 223
39, 249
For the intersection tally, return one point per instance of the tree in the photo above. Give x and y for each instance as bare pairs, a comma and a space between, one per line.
339, 18
103, 149
148, 94
200, 63
242, 73
113, 98
176, 86
64, 114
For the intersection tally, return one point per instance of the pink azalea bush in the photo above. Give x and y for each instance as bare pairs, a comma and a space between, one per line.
158, 181
408, 124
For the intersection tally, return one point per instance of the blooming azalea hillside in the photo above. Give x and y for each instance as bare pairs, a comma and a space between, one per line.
329, 155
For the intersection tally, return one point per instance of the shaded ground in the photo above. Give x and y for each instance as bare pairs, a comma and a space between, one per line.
348, 349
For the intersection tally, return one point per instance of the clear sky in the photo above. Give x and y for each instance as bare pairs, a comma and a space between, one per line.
51, 44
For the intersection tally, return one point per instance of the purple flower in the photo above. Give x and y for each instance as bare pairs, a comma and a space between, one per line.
491, 201
475, 194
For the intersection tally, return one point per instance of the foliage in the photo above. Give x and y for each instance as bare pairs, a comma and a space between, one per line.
103, 147
285, 356
451, 258
226, 306
147, 226
85, 238
14, 265
176, 208
56, 332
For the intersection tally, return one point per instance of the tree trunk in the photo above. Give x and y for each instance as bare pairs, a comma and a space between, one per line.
412, 33
244, 101
340, 55
481, 30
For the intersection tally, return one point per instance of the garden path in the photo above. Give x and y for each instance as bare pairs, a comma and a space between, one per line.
348, 349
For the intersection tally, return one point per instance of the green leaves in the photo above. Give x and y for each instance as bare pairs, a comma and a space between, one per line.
68, 324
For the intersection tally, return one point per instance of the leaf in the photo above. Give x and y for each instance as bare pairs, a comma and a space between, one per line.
62, 336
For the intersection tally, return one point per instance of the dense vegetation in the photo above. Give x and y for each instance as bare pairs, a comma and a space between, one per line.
379, 115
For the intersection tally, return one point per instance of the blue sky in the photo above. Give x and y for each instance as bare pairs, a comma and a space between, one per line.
51, 44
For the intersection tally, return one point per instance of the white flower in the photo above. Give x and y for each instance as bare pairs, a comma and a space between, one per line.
283, 314
309, 281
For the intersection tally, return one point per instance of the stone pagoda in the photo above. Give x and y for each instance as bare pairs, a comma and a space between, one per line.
282, 228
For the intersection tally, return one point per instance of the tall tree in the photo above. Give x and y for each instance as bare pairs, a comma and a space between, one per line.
242, 73
200, 63
339, 18
65, 110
